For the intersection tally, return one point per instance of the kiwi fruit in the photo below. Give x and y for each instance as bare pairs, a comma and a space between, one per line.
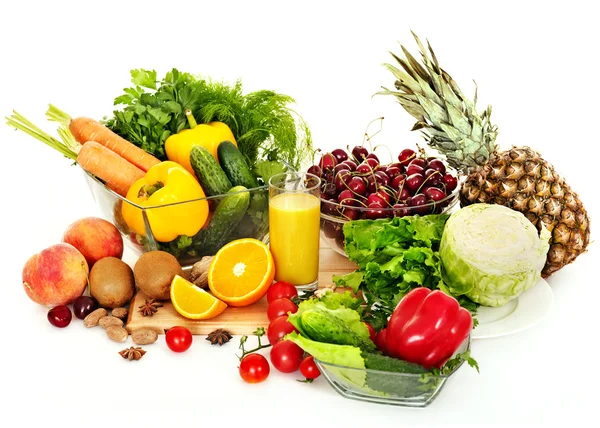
111, 282
153, 273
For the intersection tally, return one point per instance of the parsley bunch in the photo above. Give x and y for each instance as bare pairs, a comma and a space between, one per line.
264, 126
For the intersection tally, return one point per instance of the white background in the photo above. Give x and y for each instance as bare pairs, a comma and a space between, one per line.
535, 62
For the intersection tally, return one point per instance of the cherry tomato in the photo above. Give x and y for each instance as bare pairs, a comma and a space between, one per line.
309, 368
381, 341
254, 368
280, 307
278, 328
372, 333
286, 356
179, 339
281, 289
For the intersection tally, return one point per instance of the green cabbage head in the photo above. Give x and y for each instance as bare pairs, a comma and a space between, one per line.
491, 253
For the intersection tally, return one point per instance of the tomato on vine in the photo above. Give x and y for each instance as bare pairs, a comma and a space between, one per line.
309, 369
286, 356
280, 307
281, 289
254, 368
278, 328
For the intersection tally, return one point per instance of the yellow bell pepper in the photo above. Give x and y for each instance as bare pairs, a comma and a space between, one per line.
179, 146
165, 184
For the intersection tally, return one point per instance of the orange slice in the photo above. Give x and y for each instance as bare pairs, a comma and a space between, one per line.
241, 272
193, 302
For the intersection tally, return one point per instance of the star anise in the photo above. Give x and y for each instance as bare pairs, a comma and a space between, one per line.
132, 353
219, 336
150, 307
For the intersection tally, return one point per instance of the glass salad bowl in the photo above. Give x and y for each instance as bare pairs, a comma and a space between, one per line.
334, 215
145, 236
376, 386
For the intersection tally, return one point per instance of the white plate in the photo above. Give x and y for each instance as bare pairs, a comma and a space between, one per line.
517, 315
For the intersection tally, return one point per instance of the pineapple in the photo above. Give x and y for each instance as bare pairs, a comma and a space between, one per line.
518, 178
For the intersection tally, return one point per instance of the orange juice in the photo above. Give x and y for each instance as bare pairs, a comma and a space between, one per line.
294, 234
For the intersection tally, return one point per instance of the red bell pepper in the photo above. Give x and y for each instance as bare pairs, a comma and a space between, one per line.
427, 327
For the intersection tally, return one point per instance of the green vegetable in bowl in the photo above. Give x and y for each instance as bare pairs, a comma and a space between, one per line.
394, 256
492, 253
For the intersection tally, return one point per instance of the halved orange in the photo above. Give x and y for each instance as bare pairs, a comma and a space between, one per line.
241, 272
193, 302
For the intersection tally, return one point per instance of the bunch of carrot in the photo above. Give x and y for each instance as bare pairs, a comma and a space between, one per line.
97, 149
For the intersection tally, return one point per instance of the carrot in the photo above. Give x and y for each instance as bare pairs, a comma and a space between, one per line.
85, 129
117, 173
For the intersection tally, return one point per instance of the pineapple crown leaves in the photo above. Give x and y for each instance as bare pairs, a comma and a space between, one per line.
449, 121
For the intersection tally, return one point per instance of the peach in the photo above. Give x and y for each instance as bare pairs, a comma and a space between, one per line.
56, 275
95, 238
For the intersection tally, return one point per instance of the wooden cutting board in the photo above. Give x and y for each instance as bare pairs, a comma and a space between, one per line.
242, 320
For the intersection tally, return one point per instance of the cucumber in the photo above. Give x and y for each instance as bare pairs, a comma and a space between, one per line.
227, 216
235, 166
321, 326
211, 176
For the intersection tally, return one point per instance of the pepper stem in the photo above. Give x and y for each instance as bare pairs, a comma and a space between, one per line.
190, 118
148, 190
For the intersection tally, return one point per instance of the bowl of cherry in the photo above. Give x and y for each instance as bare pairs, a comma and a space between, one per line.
355, 185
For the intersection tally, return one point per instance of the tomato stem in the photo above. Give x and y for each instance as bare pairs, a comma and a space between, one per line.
259, 332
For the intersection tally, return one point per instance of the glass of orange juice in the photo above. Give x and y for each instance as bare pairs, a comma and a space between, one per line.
294, 228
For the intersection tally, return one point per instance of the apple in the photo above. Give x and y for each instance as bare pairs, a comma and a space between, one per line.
56, 275
95, 238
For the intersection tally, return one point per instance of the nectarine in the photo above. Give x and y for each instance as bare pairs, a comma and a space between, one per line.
95, 238
56, 275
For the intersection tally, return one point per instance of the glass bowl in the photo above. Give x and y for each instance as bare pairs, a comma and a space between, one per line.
334, 215
376, 386
187, 250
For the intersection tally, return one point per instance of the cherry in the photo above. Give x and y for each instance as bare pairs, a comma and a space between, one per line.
374, 200
329, 229
401, 210
357, 185
360, 153
60, 316
438, 165
327, 162
329, 207
364, 168
374, 212
414, 169
373, 162
341, 167
403, 194
414, 182
340, 155
315, 170
346, 197
328, 190
382, 178
406, 156
373, 156
417, 203
384, 195
341, 180
451, 182
84, 305
392, 171
418, 161
397, 181
351, 164
432, 177
350, 213
372, 184
434, 193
